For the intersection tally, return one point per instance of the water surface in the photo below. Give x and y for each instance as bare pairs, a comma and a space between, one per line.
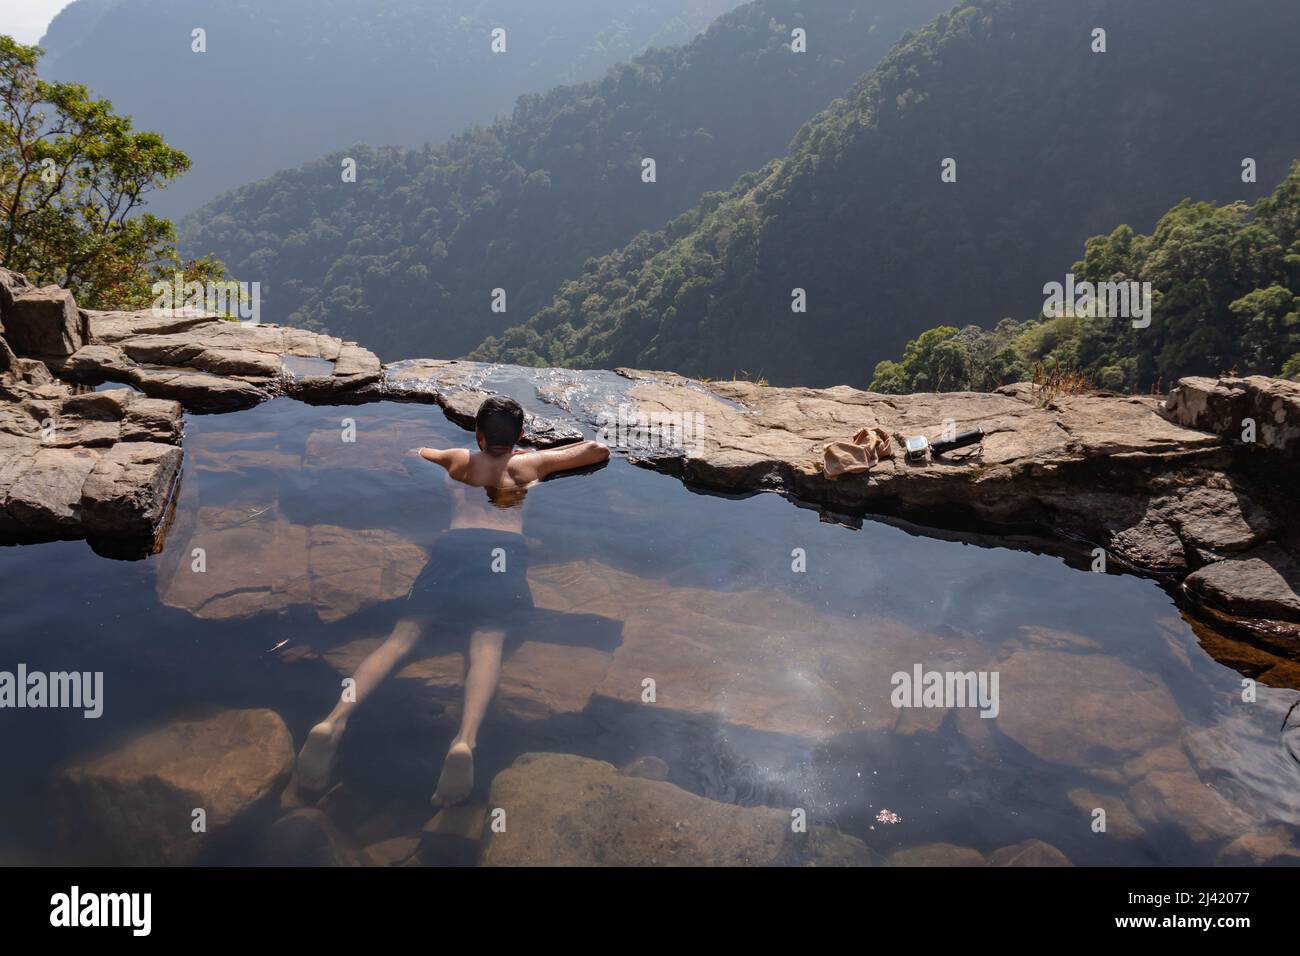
773, 683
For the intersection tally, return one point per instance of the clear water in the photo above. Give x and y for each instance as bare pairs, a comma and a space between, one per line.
773, 685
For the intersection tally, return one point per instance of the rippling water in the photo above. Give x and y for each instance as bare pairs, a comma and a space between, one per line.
773, 684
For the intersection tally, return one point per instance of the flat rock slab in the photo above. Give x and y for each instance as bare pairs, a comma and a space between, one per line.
1061, 707
564, 810
539, 680
757, 669
135, 803
1161, 496
255, 561
210, 364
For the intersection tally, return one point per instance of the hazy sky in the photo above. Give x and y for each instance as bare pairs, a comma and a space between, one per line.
26, 20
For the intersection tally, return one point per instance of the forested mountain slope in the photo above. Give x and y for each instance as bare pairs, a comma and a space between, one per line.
1052, 142
405, 259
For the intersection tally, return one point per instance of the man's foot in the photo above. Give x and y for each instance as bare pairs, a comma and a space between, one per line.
318, 756
457, 777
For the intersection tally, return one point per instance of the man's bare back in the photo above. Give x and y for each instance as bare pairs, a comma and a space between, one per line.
505, 480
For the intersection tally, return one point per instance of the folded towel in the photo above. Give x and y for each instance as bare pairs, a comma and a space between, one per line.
860, 455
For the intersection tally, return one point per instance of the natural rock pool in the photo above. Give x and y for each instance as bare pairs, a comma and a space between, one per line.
771, 634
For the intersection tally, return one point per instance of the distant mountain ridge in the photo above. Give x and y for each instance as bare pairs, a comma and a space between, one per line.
284, 81
1052, 142
405, 260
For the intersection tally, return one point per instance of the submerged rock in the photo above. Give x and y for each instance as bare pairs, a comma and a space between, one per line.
1169, 792
1029, 853
1062, 708
135, 803
756, 670
454, 835
307, 837
256, 561
539, 680
937, 854
560, 809
1277, 845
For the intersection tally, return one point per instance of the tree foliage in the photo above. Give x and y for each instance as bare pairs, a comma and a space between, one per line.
73, 176
1226, 297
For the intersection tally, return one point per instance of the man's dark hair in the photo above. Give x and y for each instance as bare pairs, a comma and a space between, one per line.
499, 419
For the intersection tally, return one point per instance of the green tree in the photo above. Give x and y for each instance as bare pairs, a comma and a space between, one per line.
73, 176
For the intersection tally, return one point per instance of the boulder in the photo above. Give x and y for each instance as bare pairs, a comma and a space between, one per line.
937, 854
1224, 405
1263, 582
453, 836
44, 323
46, 500
1276, 845
7, 357
648, 768
152, 420
1029, 853
134, 803
199, 391
1120, 822
395, 851
307, 837
128, 491
1169, 792
11, 284
565, 810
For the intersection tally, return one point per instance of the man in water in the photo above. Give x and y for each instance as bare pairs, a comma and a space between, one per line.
477, 571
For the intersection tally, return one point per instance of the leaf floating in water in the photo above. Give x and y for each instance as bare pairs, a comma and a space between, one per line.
888, 816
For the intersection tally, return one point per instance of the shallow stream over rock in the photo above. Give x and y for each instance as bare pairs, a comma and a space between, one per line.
771, 634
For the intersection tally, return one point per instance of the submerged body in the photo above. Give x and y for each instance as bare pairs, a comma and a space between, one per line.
477, 569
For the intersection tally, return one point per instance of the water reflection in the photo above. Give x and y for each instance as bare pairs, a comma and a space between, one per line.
771, 687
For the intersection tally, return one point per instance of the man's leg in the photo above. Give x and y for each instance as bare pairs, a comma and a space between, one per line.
457, 777
316, 761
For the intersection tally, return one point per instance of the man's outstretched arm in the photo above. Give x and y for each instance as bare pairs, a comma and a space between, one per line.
569, 457
440, 456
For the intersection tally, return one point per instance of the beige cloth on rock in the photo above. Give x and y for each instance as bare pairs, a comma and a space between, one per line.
860, 455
